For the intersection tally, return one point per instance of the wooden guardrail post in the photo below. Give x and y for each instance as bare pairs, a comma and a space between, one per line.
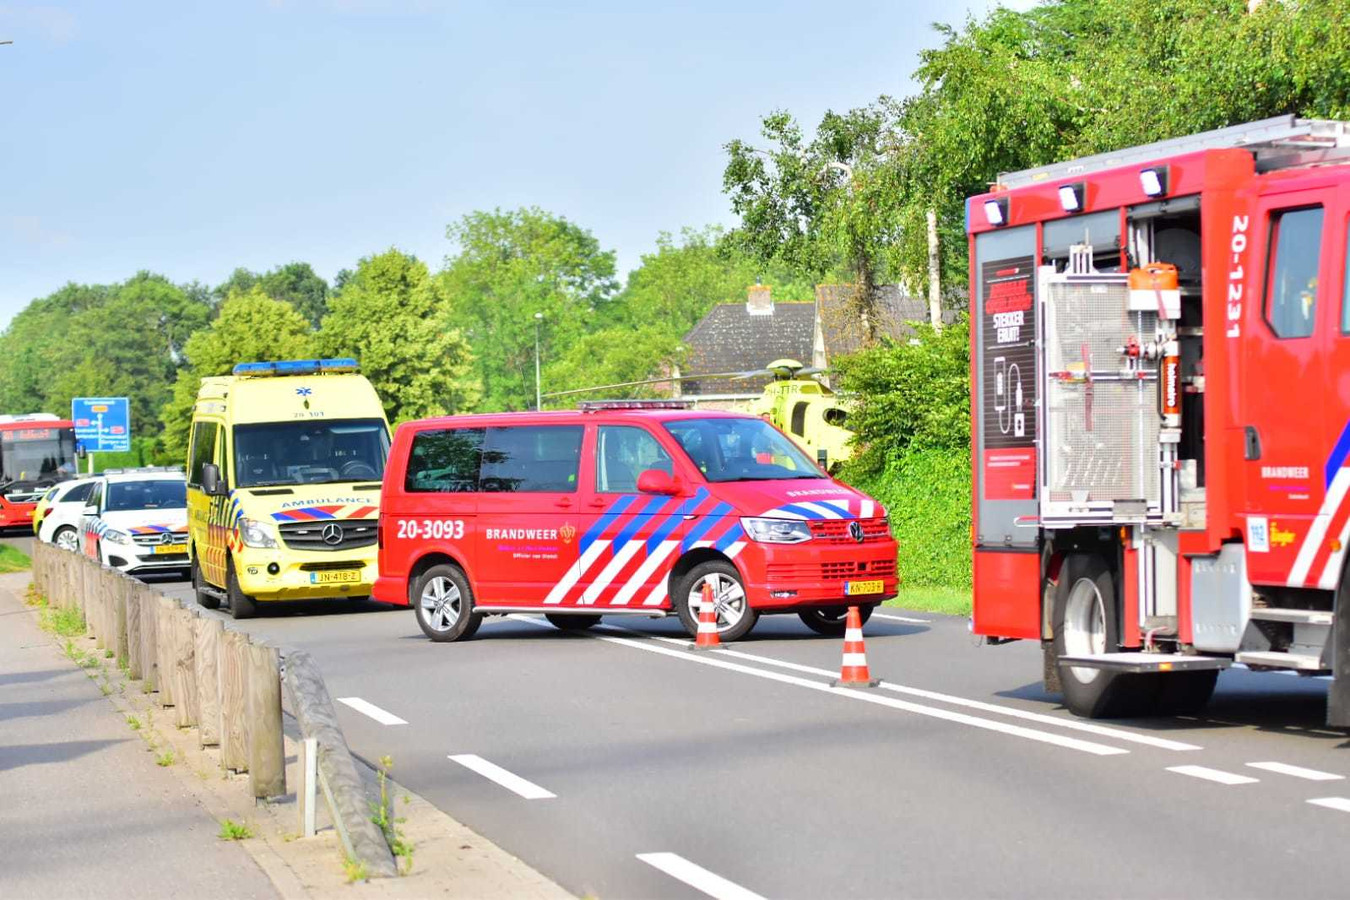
164, 649
120, 590
206, 638
233, 673
146, 603
131, 606
266, 747
184, 667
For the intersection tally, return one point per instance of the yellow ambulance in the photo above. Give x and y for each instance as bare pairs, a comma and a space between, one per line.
283, 485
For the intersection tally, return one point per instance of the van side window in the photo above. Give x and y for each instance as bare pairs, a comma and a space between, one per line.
799, 417
622, 453
444, 462
78, 492
1291, 271
203, 449
531, 459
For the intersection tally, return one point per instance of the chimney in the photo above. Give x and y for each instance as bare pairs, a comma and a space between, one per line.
758, 302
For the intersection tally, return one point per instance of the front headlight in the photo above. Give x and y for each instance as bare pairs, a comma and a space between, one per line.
777, 531
113, 536
256, 534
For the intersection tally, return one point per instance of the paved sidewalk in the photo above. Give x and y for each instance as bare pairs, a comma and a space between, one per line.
84, 811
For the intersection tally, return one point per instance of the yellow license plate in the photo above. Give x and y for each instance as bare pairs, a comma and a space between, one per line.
864, 587
349, 576
161, 549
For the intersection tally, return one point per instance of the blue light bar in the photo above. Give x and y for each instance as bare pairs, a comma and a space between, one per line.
298, 367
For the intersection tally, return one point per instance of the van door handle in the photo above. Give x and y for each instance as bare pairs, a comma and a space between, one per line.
563, 502
598, 503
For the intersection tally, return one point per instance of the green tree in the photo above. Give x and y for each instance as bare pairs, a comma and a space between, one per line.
613, 356
392, 316
251, 326
295, 283
509, 266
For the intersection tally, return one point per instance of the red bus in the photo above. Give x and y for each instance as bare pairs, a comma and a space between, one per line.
36, 451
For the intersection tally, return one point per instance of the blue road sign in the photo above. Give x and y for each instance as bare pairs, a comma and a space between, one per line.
102, 424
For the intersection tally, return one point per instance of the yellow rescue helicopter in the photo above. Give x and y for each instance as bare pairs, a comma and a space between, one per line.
801, 406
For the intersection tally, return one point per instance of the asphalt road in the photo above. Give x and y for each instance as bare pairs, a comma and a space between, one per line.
622, 764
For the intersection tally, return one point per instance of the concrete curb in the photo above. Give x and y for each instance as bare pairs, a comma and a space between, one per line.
313, 710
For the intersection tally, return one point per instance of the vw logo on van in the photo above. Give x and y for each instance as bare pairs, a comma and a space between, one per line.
855, 530
331, 534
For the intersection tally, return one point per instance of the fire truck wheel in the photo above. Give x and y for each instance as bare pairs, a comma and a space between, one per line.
66, 538
242, 606
572, 623
443, 602
830, 620
735, 618
208, 601
1185, 693
1085, 624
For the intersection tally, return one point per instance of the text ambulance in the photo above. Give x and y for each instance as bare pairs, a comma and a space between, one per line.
622, 511
284, 471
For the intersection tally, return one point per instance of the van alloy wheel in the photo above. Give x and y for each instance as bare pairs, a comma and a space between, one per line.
441, 603
728, 598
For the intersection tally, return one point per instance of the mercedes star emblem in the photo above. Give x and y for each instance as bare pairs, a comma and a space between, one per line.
332, 534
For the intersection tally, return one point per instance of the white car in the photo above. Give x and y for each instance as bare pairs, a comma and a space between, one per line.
61, 510
136, 521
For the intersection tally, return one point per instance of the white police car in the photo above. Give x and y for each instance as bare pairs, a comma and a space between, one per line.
136, 521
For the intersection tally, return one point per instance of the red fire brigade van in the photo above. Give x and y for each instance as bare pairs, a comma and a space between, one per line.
1161, 378
620, 510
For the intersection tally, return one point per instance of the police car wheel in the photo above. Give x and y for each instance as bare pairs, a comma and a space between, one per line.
242, 606
206, 600
66, 538
831, 620
572, 623
443, 602
735, 618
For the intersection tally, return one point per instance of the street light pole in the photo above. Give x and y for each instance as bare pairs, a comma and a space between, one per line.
538, 405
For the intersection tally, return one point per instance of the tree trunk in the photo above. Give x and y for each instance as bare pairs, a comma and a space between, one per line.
934, 274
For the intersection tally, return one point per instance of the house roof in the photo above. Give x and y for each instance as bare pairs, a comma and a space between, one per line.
844, 331
732, 339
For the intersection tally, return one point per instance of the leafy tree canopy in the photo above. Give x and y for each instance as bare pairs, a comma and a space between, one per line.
294, 283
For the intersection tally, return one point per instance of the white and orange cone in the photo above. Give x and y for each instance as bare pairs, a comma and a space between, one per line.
853, 670
708, 638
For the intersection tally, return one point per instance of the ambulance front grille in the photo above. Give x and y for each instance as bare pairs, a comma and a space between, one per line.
317, 535
1101, 418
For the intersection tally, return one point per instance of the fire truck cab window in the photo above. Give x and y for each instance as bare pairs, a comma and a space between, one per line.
1291, 271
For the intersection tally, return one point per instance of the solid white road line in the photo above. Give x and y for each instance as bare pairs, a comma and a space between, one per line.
1215, 775
697, 877
509, 780
906, 619
1296, 771
1337, 803
370, 709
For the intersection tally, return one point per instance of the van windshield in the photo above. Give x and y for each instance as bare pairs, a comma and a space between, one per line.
159, 493
741, 450
281, 453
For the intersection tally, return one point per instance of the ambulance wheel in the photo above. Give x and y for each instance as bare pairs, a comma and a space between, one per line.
443, 602
572, 623
1085, 624
735, 618
831, 621
66, 538
206, 599
242, 606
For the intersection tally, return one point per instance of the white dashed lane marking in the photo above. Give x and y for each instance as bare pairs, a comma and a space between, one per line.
1296, 771
370, 709
1340, 804
1216, 775
697, 877
906, 619
509, 780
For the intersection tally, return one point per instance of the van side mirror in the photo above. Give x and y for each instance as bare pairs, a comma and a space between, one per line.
658, 481
90, 510
211, 483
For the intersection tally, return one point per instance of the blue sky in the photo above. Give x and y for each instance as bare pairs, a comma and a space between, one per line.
190, 137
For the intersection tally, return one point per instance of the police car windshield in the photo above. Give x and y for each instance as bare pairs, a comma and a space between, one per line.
741, 450
161, 493
324, 452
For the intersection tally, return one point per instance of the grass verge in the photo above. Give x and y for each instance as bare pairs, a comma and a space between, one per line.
947, 601
12, 560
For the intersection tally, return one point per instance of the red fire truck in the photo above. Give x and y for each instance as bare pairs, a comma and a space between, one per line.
1161, 411
36, 451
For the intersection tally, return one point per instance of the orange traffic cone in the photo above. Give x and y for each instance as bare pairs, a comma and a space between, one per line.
707, 639
853, 671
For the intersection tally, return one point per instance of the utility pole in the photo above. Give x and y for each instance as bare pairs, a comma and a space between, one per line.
934, 273
538, 400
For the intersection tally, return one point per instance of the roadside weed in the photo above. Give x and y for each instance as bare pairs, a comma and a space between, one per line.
356, 871
133, 723
231, 830
382, 814
66, 623
165, 759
